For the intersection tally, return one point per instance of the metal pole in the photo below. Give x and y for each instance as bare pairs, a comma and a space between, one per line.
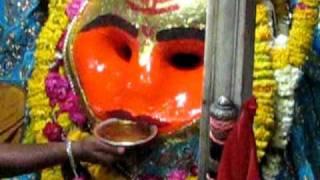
228, 61
211, 36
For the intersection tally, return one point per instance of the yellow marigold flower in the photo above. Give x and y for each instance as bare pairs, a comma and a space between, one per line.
264, 114
40, 138
52, 174
261, 14
264, 95
262, 133
38, 100
262, 57
298, 42
261, 144
260, 154
64, 121
309, 14
77, 134
263, 33
99, 172
262, 47
297, 59
264, 108
261, 89
262, 121
38, 126
262, 65
263, 74
264, 83
280, 57
192, 178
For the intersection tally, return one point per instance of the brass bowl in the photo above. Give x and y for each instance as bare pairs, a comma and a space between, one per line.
117, 128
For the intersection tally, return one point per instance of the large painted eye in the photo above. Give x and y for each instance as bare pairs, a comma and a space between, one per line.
183, 54
120, 42
185, 60
124, 51
102, 54
181, 48
112, 35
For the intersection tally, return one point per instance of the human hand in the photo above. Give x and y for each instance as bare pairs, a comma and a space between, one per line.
95, 151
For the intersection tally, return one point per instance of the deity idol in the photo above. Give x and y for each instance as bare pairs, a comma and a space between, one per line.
142, 60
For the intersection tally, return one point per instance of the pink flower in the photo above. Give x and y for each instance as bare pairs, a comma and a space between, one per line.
53, 131
57, 88
177, 175
73, 8
72, 106
71, 103
78, 118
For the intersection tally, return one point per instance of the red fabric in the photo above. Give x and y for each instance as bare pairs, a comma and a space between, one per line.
239, 158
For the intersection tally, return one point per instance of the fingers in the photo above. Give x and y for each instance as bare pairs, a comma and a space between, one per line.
102, 158
95, 151
110, 149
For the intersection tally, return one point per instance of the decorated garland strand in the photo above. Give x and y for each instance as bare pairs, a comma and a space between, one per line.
305, 17
283, 54
45, 91
263, 83
46, 44
287, 79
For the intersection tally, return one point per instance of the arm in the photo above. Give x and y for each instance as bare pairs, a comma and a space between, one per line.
19, 159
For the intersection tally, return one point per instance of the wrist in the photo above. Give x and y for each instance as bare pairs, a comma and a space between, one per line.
72, 149
77, 151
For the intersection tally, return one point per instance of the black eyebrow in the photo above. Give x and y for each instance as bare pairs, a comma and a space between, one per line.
180, 33
111, 20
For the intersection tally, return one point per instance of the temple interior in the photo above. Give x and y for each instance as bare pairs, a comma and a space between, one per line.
159, 89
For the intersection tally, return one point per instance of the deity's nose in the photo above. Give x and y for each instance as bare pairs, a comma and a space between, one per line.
141, 83
145, 68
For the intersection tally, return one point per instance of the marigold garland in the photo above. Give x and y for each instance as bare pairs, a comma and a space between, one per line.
38, 102
264, 83
40, 111
45, 56
305, 17
294, 52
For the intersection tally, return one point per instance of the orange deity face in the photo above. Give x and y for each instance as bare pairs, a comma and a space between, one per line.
140, 59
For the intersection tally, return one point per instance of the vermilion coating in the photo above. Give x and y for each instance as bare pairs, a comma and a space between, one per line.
116, 84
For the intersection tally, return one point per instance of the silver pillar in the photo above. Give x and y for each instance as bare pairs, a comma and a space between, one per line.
228, 60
